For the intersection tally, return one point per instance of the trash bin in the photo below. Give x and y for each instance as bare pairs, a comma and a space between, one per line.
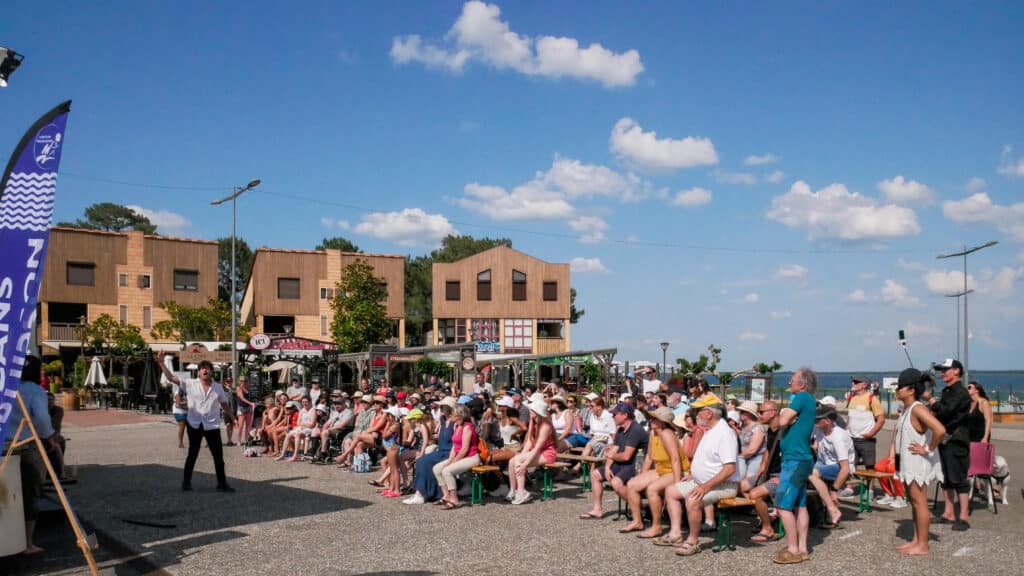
12, 511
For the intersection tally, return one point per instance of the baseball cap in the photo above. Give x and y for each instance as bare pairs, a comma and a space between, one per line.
400, 395
465, 399
358, 394
824, 412
506, 402
321, 408
591, 396
414, 414
622, 408
859, 378
831, 400
707, 400
624, 396
948, 364
909, 377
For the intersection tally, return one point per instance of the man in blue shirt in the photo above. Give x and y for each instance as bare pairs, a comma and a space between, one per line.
797, 424
32, 469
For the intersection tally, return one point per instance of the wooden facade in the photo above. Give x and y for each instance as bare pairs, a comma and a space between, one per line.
317, 273
538, 306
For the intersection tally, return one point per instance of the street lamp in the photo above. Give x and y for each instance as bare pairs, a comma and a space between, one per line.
234, 291
9, 62
957, 296
664, 351
967, 333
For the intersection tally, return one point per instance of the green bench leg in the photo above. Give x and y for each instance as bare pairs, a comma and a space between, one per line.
585, 470
864, 503
723, 536
781, 530
477, 496
548, 486
618, 509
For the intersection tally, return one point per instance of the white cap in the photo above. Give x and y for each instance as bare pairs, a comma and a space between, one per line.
829, 401
506, 401
591, 396
624, 396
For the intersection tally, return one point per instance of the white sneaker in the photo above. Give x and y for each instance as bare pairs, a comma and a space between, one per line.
414, 499
898, 503
846, 493
511, 495
885, 500
522, 498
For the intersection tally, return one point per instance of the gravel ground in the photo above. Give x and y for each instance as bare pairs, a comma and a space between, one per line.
296, 518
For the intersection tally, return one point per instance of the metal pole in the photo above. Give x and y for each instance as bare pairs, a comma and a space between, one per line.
957, 327
234, 319
967, 333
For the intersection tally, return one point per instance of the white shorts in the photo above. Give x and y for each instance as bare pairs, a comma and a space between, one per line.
723, 490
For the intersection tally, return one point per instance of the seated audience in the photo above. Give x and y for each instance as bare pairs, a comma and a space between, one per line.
619, 459
833, 465
661, 468
464, 455
427, 487
538, 448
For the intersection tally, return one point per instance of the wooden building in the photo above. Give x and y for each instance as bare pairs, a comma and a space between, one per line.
127, 275
503, 299
289, 292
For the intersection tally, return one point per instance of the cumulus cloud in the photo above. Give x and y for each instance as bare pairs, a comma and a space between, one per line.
409, 227
752, 298
903, 191
775, 177
978, 207
587, 265
692, 197
725, 177
1000, 284
331, 223
781, 314
947, 281
1010, 166
835, 212
167, 222
975, 184
646, 151
549, 194
858, 296
591, 228
481, 35
755, 160
750, 336
791, 272
898, 295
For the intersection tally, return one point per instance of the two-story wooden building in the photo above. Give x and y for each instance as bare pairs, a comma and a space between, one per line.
504, 300
289, 292
126, 275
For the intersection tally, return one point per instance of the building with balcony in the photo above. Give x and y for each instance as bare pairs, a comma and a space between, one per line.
504, 300
289, 292
126, 275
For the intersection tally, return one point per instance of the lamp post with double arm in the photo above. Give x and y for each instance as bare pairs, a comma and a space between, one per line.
967, 333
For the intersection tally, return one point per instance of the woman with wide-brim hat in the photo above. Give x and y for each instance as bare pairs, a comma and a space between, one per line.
752, 444
538, 448
662, 468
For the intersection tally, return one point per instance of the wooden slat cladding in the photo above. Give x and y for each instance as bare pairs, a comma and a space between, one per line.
501, 261
166, 255
389, 268
106, 251
308, 267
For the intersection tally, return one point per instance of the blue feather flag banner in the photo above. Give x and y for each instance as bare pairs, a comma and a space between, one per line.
27, 193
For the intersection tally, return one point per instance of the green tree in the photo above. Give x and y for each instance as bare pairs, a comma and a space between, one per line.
359, 313
117, 341
763, 368
337, 243
112, 217
574, 313
191, 323
703, 364
243, 265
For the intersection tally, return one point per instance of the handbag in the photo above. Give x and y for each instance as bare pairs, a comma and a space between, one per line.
983, 459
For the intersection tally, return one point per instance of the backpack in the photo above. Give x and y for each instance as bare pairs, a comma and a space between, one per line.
484, 450
361, 463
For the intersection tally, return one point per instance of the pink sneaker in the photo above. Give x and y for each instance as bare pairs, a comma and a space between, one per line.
390, 494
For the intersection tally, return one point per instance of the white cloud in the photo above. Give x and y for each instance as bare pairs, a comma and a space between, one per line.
915, 330
858, 296
745, 178
692, 197
791, 272
755, 160
409, 227
479, 34
591, 228
978, 207
167, 222
1008, 166
749, 336
999, 284
577, 179
331, 223
903, 191
910, 266
947, 281
752, 298
898, 295
775, 177
587, 265
523, 202
835, 212
975, 184
646, 151
781, 314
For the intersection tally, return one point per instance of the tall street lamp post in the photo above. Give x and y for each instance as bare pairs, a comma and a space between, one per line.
234, 290
967, 333
664, 352
9, 62
957, 296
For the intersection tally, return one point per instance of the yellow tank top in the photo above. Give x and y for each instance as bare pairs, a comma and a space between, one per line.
662, 462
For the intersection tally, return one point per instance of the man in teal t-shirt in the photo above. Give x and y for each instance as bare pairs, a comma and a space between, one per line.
797, 422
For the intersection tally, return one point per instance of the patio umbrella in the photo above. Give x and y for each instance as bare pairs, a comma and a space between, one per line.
169, 362
95, 376
149, 384
284, 366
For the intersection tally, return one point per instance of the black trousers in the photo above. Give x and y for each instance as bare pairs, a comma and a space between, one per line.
195, 439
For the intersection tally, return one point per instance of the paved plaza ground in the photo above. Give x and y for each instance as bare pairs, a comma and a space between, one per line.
296, 518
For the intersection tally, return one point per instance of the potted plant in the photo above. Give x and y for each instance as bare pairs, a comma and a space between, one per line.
52, 371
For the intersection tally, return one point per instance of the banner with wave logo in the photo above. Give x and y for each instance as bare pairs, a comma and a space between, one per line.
26, 208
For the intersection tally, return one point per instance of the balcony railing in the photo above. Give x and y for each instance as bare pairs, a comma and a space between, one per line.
65, 331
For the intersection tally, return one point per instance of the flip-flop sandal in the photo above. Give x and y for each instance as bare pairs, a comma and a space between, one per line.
829, 525
688, 549
451, 505
764, 538
666, 541
375, 483
787, 557
591, 516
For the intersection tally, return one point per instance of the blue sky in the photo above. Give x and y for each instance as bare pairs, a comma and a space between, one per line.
776, 180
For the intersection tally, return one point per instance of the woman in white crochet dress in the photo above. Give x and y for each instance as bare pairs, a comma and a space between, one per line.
914, 448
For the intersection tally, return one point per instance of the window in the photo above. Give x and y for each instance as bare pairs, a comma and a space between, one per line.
122, 313
81, 274
518, 336
147, 317
452, 290
383, 286
288, 288
122, 280
323, 325
451, 330
186, 280
483, 285
326, 294
485, 329
550, 328
518, 285
145, 281
551, 291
